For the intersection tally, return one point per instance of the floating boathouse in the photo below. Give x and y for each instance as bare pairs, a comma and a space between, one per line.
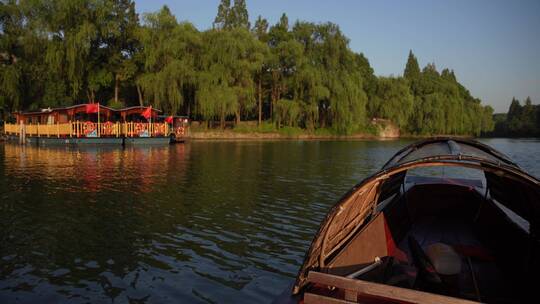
94, 124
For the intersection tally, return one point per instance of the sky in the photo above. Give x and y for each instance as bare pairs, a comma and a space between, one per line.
492, 46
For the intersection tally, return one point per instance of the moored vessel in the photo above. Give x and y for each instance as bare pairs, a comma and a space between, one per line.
92, 124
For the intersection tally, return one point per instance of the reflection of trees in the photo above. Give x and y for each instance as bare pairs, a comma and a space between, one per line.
82, 216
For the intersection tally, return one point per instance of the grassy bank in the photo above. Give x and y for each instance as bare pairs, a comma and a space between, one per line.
250, 130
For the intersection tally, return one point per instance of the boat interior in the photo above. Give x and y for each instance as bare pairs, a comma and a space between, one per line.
454, 237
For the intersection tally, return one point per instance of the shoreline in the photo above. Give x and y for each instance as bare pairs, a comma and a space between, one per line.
231, 135
275, 136
254, 136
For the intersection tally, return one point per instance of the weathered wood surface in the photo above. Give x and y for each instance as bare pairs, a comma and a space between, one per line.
311, 298
382, 291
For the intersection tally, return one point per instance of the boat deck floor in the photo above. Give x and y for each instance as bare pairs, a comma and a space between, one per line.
491, 285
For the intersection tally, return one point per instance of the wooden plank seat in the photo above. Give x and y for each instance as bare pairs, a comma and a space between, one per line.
359, 291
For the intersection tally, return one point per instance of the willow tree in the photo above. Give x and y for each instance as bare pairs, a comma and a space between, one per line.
281, 61
393, 100
442, 105
227, 73
169, 51
119, 41
79, 38
74, 52
308, 90
307, 83
347, 100
10, 95
287, 112
260, 30
24, 74
315, 77
11, 27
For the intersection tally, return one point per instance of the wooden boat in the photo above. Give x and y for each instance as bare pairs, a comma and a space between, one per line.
397, 237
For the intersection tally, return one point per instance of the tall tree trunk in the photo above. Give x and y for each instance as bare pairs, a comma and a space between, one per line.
272, 107
139, 92
272, 101
222, 119
91, 96
260, 100
274, 93
116, 88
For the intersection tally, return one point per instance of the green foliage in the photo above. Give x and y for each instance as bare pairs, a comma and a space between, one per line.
442, 105
261, 29
230, 17
264, 127
412, 69
291, 131
289, 77
170, 52
115, 104
393, 100
287, 112
240, 14
226, 77
520, 121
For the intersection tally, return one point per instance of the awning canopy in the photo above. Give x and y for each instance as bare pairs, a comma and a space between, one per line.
82, 108
442, 147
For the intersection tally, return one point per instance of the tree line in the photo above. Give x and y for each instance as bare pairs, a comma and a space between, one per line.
520, 121
302, 74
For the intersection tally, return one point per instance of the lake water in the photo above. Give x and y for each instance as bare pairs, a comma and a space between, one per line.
202, 222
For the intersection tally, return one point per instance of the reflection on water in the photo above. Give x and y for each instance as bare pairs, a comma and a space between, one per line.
200, 222
92, 169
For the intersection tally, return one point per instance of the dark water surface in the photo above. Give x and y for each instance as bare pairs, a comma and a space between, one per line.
203, 222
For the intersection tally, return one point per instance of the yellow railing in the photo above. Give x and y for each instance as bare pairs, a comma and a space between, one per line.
11, 128
90, 129
56, 130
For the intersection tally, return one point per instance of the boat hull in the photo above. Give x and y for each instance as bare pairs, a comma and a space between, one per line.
147, 141
55, 141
